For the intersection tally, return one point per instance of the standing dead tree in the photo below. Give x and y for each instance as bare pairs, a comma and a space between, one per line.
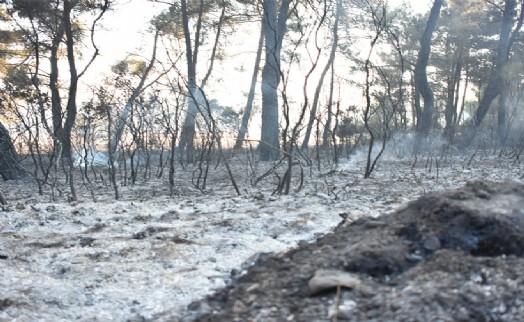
274, 25
9, 166
50, 29
137, 90
496, 84
379, 18
196, 13
316, 97
422, 87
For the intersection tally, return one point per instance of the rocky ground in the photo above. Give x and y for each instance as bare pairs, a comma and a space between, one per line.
147, 256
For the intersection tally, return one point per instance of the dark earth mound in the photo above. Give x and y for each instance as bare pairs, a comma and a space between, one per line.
448, 256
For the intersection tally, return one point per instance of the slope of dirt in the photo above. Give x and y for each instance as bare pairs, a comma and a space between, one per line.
455, 255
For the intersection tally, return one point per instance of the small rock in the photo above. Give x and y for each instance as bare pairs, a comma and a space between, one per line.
197, 309
414, 257
78, 212
483, 194
258, 196
7, 208
50, 208
238, 306
462, 314
4, 303
325, 279
432, 243
343, 311
150, 229
140, 235
145, 233
252, 287
143, 218
171, 215
86, 241
180, 240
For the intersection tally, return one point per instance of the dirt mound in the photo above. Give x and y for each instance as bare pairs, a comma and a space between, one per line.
448, 256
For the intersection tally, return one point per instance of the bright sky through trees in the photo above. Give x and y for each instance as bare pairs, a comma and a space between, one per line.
126, 27
201, 64
126, 33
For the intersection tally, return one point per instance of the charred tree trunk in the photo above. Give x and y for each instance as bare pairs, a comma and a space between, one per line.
195, 92
9, 167
453, 84
421, 78
186, 144
274, 28
73, 83
56, 104
496, 80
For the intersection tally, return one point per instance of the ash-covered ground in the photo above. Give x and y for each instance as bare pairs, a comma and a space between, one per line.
147, 256
455, 255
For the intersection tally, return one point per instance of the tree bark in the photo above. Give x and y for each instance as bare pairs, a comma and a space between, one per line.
65, 134
274, 28
496, 80
421, 78
56, 105
453, 84
186, 144
195, 93
9, 167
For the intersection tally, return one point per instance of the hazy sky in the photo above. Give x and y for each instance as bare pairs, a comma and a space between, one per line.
126, 27
125, 31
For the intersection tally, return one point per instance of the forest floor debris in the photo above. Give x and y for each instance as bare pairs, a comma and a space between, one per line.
148, 256
455, 255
